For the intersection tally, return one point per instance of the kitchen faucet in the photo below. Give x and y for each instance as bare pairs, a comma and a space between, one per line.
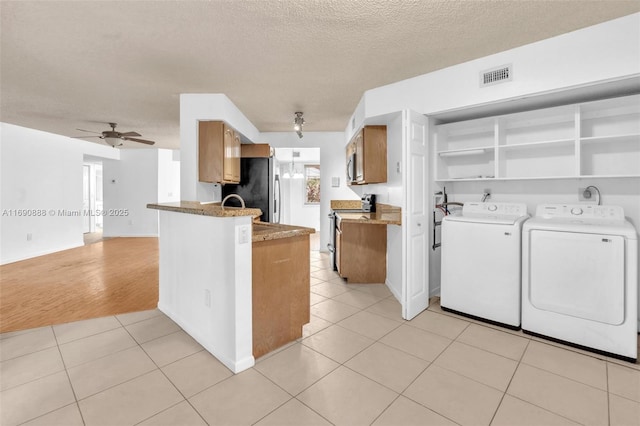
224, 200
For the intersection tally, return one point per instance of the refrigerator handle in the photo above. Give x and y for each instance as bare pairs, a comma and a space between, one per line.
279, 203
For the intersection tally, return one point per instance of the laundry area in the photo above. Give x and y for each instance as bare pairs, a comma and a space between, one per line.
562, 268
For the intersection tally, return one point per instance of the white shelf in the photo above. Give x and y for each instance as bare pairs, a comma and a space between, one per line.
611, 138
598, 139
466, 151
538, 144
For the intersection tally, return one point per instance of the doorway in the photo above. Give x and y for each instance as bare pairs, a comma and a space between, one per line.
299, 173
92, 201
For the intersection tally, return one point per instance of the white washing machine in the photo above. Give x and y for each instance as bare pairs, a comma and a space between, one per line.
480, 266
580, 278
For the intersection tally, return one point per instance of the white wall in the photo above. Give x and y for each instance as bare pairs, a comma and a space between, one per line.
140, 177
41, 171
168, 175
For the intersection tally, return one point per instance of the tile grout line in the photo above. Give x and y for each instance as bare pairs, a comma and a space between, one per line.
66, 371
509, 384
164, 374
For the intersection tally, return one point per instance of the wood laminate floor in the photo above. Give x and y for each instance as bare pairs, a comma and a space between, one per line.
110, 277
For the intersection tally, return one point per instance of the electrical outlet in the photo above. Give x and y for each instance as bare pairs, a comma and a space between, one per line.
207, 298
29, 236
584, 194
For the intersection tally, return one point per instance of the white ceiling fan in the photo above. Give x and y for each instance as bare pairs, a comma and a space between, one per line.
115, 138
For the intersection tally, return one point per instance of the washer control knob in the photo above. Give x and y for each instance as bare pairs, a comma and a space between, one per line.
493, 208
576, 211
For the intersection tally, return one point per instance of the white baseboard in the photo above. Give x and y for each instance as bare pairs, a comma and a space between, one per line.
39, 253
393, 291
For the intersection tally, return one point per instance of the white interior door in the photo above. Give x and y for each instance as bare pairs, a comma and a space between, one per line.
415, 224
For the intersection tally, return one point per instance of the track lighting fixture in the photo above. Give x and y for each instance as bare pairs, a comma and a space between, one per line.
298, 122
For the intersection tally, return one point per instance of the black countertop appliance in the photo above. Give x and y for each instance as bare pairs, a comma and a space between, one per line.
369, 203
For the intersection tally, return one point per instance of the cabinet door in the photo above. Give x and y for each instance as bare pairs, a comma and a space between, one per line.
229, 155
235, 160
210, 151
359, 147
338, 249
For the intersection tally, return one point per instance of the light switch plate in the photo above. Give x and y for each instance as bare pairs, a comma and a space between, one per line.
243, 234
335, 181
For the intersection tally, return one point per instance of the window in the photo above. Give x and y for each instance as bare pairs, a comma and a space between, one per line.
312, 183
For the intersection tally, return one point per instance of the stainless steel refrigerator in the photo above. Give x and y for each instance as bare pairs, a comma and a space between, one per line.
259, 187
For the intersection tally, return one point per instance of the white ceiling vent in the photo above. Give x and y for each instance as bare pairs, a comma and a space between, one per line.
496, 75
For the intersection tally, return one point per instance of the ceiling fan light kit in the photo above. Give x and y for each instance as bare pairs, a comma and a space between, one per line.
115, 138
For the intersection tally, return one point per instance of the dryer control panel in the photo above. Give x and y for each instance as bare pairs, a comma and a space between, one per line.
584, 211
495, 209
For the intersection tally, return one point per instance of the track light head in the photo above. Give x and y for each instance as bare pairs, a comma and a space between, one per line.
298, 122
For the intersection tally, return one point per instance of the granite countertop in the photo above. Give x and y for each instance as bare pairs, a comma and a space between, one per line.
384, 215
213, 209
346, 204
264, 231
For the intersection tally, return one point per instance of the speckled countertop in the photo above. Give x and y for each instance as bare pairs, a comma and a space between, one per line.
346, 204
214, 209
263, 231
384, 215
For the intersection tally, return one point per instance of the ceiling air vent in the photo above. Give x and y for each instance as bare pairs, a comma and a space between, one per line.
496, 75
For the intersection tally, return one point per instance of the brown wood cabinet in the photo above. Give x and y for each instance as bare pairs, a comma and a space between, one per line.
218, 153
255, 150
361, 252
370, 148
281, 292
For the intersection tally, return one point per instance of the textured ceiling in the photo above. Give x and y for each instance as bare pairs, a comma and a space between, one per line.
81, 64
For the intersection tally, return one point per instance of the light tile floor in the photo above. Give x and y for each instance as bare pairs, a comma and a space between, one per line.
358, 363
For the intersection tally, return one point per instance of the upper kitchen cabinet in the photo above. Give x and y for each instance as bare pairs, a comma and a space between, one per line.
218, 153
367, 156
592, 139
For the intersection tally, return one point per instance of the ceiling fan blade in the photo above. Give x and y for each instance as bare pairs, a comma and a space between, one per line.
82, 137
127, 134
89, 131
139, 140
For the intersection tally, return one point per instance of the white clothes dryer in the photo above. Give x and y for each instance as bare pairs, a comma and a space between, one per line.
480, 266
580, 278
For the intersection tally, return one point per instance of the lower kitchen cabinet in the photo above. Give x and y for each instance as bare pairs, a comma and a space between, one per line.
281, 290
361, 252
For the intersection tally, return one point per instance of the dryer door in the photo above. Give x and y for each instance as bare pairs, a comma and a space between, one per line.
581, 275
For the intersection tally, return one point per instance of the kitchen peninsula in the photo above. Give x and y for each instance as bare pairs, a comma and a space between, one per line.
206, 284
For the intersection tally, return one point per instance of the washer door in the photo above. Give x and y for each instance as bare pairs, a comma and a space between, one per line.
581, 275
